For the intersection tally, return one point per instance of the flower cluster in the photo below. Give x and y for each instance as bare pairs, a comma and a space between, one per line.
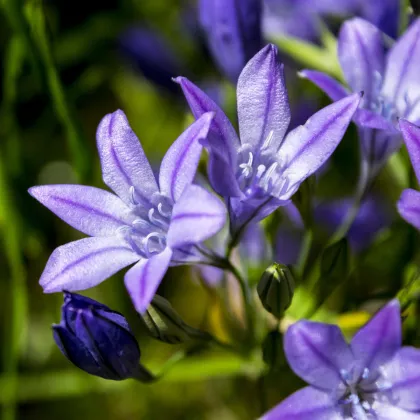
253, 198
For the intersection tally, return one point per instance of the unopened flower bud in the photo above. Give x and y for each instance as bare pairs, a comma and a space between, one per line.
276, 288
98, 340
164, 324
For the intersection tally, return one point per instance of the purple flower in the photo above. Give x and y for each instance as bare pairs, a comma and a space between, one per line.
150, 54
289, 236
148, 223
304, 18
373, 377
373, 215
409, 202
96, 339
260, 170
389, 80
233, 32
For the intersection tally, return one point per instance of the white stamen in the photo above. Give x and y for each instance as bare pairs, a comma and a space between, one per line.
268, 140
247, 167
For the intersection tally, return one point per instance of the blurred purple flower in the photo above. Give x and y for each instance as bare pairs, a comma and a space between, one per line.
97, 339
151, 55
373, 216
289, 236
233, 29
373, 377
148, 52
389, 80
150, 224
303, 18
409, 202
262, 169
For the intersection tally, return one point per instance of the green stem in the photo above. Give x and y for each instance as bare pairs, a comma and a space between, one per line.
247, 297
351, 215
14, 13
16, 306
305, 250
17, 316
76, 143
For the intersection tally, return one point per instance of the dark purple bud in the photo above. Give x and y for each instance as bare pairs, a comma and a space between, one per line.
97, 339
233, 30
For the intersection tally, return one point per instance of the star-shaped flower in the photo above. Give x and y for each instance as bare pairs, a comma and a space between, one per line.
372, 378
148, 222
390, 81
262, 168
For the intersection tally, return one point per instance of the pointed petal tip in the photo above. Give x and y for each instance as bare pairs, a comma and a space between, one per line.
111, 121
302, 73
34, 191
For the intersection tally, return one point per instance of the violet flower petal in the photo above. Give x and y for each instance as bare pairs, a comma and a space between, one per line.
402, 82
196, 216
361, 55
124, 164
391, 412
409, 207
85, 263
179, 165
222, 139
318, 353
328, 84
306, 404
308, 146
106, 340
288, 244
233, 32
150, 53
411, 136
76, 351
403, 372
385, 14
144, 278
378, 341
263, 104
222, 176
254, 247
370, 119
243, 212
90, 210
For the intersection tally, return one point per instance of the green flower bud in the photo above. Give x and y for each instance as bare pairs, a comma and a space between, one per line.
276, 288
335, 260
164, 324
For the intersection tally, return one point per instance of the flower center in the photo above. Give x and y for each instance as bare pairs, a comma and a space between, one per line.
260, 173
147, 233
358, 394
388, 108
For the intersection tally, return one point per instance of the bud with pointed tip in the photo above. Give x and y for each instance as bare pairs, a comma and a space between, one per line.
276, 288
164, 324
